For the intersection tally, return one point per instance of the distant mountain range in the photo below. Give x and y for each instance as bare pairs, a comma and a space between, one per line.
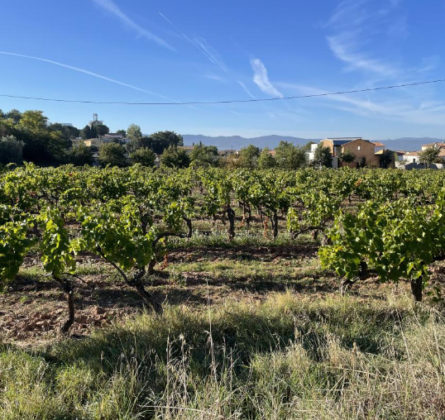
272, 141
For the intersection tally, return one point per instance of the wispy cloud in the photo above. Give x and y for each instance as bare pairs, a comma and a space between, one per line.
209, 52
261, 78
111, 7
345, 47
358, 24
244, 87
426, 112
83, 71
215, 77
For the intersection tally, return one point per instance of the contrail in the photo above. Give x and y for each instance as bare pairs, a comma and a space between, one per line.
84, 71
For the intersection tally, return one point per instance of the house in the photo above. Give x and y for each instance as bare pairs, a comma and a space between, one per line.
311, 153
378, 146
362, 151
411, 157
438, 146
435, 145
110, 137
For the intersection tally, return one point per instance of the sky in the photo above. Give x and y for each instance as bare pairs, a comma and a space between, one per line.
174, 51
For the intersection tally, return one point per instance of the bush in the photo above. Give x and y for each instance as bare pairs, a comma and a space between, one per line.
266, 160
81, 155
143, 156
172, 157
112, 154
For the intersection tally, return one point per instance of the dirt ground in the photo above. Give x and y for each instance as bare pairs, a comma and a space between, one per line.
34, 307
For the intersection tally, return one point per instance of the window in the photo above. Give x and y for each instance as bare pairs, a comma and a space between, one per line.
358, 147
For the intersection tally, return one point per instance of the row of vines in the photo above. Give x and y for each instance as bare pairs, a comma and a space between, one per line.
382, 223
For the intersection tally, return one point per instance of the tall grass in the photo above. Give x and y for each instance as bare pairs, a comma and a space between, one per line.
289, 357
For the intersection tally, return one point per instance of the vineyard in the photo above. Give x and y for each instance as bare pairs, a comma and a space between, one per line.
205, 271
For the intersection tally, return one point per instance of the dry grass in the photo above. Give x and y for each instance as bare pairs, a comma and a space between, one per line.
287, 357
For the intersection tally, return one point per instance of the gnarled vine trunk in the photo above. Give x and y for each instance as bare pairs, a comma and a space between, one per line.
417, 289
231, 217
68, 289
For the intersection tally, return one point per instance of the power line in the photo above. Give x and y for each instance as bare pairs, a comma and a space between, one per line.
222, 102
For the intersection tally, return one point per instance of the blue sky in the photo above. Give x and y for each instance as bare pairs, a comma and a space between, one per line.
153, 50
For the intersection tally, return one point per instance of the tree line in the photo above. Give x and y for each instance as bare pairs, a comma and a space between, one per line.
28, 136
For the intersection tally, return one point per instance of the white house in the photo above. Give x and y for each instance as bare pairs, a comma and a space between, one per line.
311, 153
411, 157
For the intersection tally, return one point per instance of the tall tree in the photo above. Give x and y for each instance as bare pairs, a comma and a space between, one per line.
172, 157
112, 154
161, 140
81, 155
11, 150
204, 156
322, 156
289, 156
429, 156
134, 133
144, 156
248, 157
266, 160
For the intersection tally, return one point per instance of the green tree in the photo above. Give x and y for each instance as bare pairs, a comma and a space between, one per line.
161, 140
81, 155
322, 156
289, 156
33, 122
134, 133
266, 160
11, 150
143, 156
112, 154
386, 159
429, 156
14, 115
347, 157
173, 157
100, 129
67, 131
87, 133
204, 156
248, 157
94, 130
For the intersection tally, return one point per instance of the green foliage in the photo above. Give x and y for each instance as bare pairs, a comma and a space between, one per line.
173, 157
322, 157
289, 156
57, 250
14, 244
248, 157
429, 156
11, 150
266, 160
143, 156
112, 154
81, 155
162, 140
134, 133
394, 240
347, 157
204, 156
387, 158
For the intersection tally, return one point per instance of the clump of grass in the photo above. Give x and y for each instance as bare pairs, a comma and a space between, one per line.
288, 357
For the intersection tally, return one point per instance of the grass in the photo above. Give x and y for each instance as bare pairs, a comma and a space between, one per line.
286, 357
